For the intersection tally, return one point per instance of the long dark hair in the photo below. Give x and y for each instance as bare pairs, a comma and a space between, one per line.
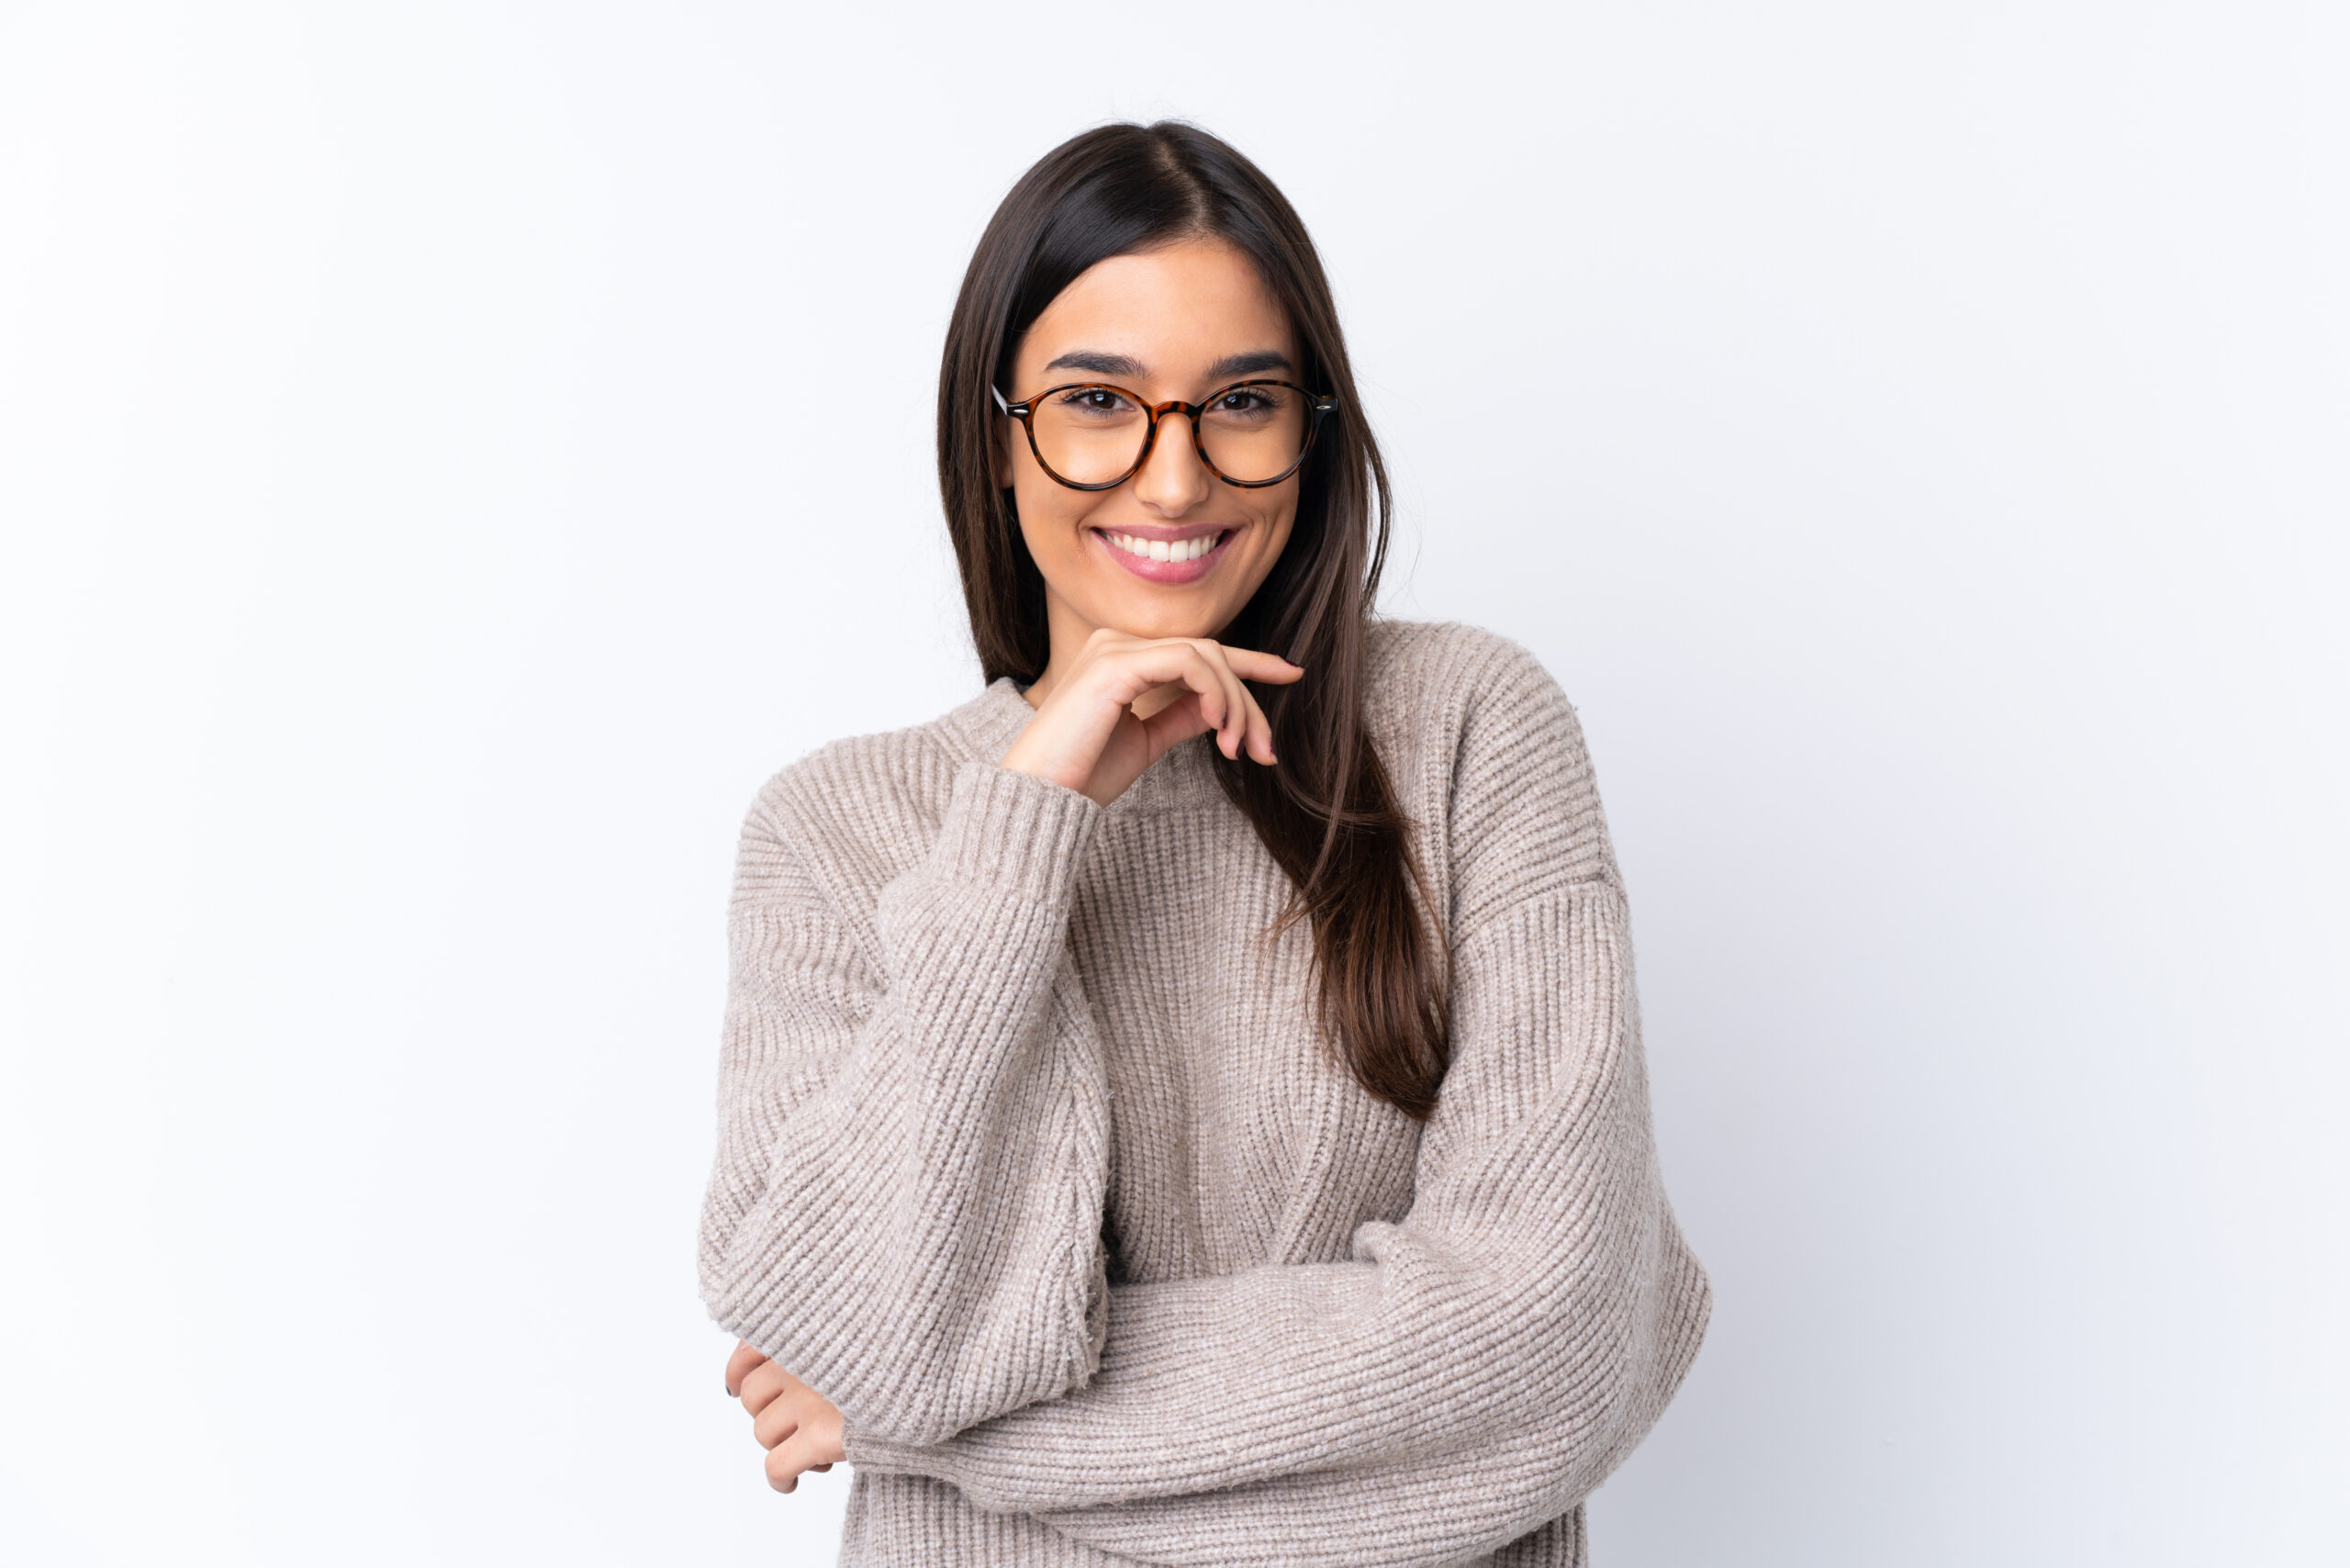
1327, 813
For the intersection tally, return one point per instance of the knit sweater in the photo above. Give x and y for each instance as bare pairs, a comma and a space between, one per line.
1031, 1162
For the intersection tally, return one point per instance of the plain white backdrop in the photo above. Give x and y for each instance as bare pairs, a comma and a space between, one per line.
452, 454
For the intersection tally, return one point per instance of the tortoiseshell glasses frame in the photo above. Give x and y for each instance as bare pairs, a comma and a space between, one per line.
1318, 407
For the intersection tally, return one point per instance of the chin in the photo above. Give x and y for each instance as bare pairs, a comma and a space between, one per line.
1157, 618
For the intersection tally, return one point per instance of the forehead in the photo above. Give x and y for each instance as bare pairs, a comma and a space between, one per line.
1174, 309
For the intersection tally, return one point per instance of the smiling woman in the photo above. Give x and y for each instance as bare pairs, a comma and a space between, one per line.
1186, 1104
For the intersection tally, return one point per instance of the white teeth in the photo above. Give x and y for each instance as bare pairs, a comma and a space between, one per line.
1162, 549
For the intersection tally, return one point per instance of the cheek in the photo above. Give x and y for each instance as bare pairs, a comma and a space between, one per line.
1275, 522
1049, 520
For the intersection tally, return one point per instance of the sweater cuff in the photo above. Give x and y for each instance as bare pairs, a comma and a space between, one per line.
869, 1450
1018, 834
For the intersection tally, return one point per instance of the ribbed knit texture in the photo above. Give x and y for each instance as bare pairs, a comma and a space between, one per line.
1029, 1160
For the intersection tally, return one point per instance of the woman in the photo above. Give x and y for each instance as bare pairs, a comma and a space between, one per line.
1186, 1104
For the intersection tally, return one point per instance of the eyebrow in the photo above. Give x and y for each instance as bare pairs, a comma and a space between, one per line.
1248, 363
1098, 363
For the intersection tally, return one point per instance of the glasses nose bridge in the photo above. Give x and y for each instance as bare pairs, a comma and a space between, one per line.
1191, 412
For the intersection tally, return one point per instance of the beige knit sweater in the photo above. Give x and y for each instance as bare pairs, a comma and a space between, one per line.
1029, 1161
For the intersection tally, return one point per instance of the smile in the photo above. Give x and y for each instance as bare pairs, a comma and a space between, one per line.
1167, 560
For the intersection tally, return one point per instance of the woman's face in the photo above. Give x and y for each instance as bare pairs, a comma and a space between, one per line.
1176, 322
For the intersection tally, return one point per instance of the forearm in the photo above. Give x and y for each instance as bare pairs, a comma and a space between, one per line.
1428, 1502
907, 1212
1536, 1293
1295, 1370
1404, 1514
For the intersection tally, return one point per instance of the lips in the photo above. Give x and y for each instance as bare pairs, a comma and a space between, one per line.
1184, 559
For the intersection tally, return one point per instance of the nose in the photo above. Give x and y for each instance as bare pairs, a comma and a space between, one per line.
1172, 480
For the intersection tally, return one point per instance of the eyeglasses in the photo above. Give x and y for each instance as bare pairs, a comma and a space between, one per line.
1092, 436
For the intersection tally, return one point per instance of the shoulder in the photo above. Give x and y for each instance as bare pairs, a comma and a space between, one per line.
1437, 645
855, 812
1469, 699
1489, 755
1433, 666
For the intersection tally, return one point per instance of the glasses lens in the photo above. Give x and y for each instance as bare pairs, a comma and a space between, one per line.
1089, 435
1254, 432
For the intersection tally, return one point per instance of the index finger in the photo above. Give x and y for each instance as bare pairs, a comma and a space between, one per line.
1249, 664
739, 1365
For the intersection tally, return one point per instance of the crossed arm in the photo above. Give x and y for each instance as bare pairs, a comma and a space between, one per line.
1467, 1375
1462, 1377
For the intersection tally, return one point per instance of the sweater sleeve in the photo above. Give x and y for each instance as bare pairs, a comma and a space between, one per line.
905, 1207
1469, 1371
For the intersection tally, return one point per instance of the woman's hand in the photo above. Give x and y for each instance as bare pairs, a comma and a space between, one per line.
1086, 737
798, 1427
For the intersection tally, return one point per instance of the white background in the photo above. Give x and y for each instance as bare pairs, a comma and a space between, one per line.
450, 454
